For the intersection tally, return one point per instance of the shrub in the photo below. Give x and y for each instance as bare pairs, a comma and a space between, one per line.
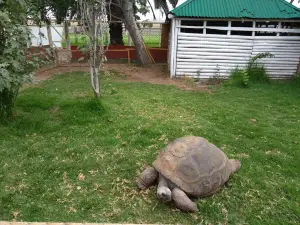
257, 73
253, 73
239, 77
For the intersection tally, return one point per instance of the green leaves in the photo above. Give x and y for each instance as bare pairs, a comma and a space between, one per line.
15, 69
253, 73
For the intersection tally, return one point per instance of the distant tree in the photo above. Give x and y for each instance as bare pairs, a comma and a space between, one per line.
292, 1
163, 4
115, 17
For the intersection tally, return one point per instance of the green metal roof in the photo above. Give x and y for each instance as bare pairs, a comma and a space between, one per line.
254, 9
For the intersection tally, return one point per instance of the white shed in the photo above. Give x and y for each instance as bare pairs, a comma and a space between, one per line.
215, 36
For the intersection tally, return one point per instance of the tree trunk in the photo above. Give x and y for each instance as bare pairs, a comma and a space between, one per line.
116, 33
49, 33
67, 36
165, 33
128, 18
94, 69
7, 99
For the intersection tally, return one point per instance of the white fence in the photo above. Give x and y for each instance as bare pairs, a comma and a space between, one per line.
198, 54
151, 32
39, 35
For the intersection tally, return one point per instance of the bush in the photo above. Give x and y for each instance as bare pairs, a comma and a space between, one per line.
254, 72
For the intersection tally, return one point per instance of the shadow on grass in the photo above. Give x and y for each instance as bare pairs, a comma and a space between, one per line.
46, 114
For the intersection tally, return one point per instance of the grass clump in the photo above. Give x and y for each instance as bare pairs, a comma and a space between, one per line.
296, 79
254, 73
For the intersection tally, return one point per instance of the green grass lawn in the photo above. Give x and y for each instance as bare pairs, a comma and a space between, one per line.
66, 158
80, 40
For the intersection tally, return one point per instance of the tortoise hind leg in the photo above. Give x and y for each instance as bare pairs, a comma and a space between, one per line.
182, 201
235, 165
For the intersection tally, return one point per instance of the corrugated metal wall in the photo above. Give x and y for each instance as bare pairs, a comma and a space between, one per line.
203, 55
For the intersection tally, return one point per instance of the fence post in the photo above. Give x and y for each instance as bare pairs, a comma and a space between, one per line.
129, 39
165, 32
51, 44
298, 68
160, 29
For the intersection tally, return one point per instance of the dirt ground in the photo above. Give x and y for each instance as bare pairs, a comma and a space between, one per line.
154, 74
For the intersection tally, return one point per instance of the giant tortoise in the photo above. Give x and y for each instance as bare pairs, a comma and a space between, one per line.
188, 167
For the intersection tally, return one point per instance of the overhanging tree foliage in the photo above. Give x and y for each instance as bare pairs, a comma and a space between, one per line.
164, 5
42, 10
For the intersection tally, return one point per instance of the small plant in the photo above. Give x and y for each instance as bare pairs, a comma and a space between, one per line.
216, 79
198, 76
296, 76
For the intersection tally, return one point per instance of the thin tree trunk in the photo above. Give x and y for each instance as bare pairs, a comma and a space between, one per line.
49, 34
97, 83
94, 71
134, 32
67, 36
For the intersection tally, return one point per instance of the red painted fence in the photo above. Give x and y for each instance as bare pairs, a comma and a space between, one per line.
160, 55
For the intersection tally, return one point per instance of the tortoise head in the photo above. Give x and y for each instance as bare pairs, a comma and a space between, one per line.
164, 193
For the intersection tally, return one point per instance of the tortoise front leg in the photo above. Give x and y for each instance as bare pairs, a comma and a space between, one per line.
147, 178
182, 201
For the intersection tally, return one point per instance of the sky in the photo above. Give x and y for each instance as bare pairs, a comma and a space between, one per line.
160, 16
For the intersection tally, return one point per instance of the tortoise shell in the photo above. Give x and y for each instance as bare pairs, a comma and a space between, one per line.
193, 164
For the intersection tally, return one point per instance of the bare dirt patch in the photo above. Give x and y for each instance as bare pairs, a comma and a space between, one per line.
154, 74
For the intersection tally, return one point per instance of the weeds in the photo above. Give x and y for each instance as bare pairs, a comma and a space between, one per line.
296, 79
216, 79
